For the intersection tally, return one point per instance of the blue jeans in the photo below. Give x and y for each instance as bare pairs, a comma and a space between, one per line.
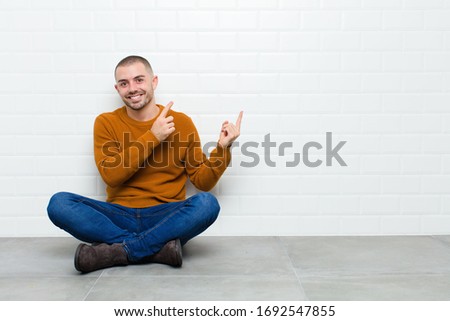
142, 231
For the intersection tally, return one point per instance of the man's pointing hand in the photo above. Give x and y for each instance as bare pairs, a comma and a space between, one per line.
163, 125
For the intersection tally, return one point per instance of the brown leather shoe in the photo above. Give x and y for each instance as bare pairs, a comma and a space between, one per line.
90, 258
170, 254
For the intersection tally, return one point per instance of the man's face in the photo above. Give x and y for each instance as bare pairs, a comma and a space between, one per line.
135, 85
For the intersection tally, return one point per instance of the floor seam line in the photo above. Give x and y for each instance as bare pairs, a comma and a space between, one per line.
92, 287
293, 268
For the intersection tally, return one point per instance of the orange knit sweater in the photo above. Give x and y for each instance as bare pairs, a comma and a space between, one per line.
141, 171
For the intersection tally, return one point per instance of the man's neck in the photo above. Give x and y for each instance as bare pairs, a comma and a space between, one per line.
147, 113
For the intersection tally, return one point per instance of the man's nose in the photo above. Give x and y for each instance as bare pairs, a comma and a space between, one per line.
132, 87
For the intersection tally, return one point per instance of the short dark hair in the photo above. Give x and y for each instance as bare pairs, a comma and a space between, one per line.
132, 60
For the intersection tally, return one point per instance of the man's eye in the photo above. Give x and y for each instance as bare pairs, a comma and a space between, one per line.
122, 84
139, 80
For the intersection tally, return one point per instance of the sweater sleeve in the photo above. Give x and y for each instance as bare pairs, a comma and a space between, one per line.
116, 163
204, 173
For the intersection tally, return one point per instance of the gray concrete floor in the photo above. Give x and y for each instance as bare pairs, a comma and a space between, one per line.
239, 268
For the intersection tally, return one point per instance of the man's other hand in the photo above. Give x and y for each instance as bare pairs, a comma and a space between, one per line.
230, 131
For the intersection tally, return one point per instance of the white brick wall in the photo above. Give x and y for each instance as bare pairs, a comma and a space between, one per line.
374, 73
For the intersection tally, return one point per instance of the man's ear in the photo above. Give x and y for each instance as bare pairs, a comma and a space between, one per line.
155, 82
117, 89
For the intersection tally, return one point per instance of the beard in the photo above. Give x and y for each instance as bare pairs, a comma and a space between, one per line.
145, 99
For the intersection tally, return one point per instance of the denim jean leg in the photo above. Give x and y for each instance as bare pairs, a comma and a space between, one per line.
183, 220
90, 220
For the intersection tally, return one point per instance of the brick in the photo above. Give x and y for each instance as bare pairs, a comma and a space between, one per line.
116, 20
405, 62
435, 184
184, 83
279, 20
434, 224
228, 186
382, 40
320, 20
222, 83
175, 4
142, 4
399, 144
437, 62
362, 20
156, 19
381, 123
401, 184
198, 62
238, 62
16, 42
403, 103
380, 203
36, 186
382, 4
401, 224
256, 4
340, 83
217, 41
433, 143
73, 63
256, 205
176, 41
33, 145
9, 84
437, 20
341, 123
279, 62
380, 164
217, 4
199, 20
361, 103
15, 21
19, 4
261, 41
345, 41
381, 83
423, 40
299, 41
422, 164
319, 185
25, 63
358, 225
309, 204
238, 20
73, 21
423, 83
85, 185
421, 123
93, 42
257, 82
343, 4
403, 20
295, 83
361, 62
305, 4
320, 62
424, 4
329, 205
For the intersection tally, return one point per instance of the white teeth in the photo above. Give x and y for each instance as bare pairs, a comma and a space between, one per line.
135, 97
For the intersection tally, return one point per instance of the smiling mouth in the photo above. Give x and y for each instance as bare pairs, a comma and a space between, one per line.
135, 97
